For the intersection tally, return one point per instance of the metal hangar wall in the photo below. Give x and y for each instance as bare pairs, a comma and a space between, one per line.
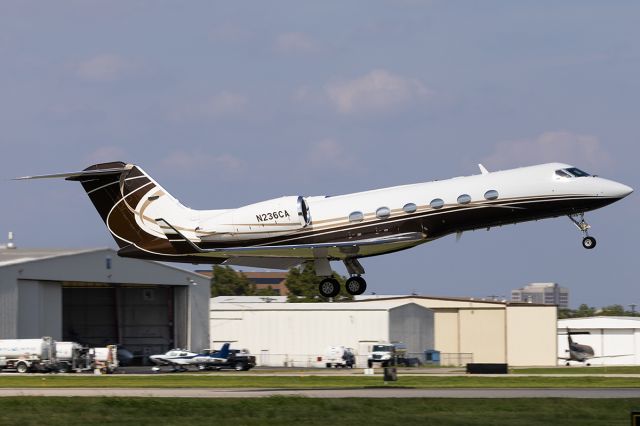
95, 297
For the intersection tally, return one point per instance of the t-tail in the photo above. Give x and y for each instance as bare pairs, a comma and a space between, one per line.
124, 194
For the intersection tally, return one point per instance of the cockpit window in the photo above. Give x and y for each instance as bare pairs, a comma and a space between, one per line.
571, 173
577, 172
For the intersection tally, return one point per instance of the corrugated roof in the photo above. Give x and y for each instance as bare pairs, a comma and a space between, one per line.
599, 322
20, 255
16, 256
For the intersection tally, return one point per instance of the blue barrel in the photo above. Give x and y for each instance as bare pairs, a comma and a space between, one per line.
432, 356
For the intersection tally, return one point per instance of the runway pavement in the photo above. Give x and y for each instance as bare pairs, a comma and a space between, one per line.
329, 393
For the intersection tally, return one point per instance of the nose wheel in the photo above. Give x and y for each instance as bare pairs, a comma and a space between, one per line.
588, 242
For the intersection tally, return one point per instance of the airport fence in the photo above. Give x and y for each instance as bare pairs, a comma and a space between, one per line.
412, 359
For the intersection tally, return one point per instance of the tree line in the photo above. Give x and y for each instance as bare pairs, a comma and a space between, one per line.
302, 284
585, 310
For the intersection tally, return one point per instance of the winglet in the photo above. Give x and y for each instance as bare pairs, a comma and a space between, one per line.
483, 169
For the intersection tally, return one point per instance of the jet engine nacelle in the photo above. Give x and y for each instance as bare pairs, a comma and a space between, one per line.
286, 213
261, 220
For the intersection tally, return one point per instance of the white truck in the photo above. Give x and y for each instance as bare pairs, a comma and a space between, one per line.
386, 353
73, 356
339, 356
25, 355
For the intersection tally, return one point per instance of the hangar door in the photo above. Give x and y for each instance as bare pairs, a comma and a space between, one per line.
140, 318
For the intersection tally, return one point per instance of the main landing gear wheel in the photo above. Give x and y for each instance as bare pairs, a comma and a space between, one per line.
329, 287
356, 286
588, 242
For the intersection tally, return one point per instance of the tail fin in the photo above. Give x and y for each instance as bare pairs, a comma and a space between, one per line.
121, 193
224, 351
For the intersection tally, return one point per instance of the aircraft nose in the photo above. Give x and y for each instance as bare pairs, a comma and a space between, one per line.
617, 190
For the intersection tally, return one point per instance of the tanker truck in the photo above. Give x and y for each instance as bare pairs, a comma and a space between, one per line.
25, 355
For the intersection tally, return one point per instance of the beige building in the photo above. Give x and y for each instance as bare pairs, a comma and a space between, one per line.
464, 330
519, 334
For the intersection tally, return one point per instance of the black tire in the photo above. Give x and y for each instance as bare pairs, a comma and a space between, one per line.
356, 286
64, 368
239, 366
329, 287
328, 365
22, 367
369, 363
588, 243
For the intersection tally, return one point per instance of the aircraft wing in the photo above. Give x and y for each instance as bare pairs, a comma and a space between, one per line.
264, 262
335, 250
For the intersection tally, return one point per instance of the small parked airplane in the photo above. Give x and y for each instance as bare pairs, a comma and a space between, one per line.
148, 223
582, 353
181, 358
576, 351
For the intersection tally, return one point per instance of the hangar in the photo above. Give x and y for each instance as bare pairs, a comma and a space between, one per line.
95, 297
297, 334
615, 340
463, 330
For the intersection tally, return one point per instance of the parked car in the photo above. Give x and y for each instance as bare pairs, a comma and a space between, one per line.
239, 360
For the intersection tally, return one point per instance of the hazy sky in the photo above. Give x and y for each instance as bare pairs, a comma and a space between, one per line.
229, 103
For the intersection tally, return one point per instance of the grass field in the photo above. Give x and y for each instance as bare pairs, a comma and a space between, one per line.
293, 410
298, 382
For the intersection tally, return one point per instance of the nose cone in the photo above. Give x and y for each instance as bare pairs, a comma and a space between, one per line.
616, 189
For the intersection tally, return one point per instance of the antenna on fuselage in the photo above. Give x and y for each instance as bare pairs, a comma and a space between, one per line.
483, 169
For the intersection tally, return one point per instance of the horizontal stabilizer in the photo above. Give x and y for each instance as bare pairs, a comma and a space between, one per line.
76, 175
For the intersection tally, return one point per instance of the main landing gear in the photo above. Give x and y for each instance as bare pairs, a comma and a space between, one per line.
587, 242
355, 285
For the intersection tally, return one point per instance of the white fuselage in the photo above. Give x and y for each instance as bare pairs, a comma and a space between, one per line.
280, 218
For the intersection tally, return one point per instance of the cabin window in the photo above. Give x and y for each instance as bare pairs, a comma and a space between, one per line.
437, 203
383, 212
491, 194
356, 217
464, 199
410, 208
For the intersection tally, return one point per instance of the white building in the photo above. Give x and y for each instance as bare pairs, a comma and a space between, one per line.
542, 293
463, 330
615, 340
298, 334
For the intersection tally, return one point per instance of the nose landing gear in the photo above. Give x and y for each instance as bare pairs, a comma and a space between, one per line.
578, 219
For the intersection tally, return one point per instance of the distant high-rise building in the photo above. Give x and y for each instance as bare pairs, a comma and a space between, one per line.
543, 294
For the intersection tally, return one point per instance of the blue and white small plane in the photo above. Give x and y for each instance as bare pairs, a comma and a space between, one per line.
180, 359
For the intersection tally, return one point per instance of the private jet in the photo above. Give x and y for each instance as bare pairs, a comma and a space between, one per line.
582, 353
148, 223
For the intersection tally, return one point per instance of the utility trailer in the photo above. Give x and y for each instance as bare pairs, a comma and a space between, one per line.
73, 356
105, 359
26, 355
